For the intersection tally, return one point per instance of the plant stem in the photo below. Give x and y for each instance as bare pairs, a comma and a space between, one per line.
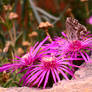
86, 6
14, 32
11, 36
47, 33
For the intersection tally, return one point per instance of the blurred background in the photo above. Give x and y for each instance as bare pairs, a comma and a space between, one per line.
20, 21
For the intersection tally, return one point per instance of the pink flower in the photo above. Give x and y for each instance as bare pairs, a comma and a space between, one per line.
90, 20
48, 65
27, 60
75, 48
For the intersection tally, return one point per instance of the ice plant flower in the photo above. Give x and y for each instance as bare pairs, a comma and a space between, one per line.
87, 58
75, 48
13, 15
26, 60
48, 65
90, 20
76, 42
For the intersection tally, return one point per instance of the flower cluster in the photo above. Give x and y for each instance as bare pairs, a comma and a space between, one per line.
53, 59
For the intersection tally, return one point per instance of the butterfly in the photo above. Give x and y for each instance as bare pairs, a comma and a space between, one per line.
74, 30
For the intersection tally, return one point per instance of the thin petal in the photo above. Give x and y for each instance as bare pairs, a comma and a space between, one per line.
53, 75
57, 75
29, 75
83, 56
33, 77
38, 79
23, 78
9, 66
67, 71
86, 55
36, 50
32, 49
46, 80
42, 79
63, 74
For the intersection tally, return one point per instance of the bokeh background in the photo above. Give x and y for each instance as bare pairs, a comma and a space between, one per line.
19, 21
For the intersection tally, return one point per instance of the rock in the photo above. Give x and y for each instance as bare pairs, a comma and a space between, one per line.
84, 71
82, 83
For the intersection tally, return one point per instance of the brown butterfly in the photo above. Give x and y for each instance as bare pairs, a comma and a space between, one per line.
74, 30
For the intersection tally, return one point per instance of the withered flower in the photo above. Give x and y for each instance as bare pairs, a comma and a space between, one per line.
69, 12
6, 48
20, 51
45, 26
25, 43
7, 7
33, 34
0, 50
83, 0
13, 15
5, 76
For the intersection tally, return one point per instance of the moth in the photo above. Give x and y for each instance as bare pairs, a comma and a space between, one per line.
74, 30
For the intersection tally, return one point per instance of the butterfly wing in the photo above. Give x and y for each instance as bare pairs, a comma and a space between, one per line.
74, 30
